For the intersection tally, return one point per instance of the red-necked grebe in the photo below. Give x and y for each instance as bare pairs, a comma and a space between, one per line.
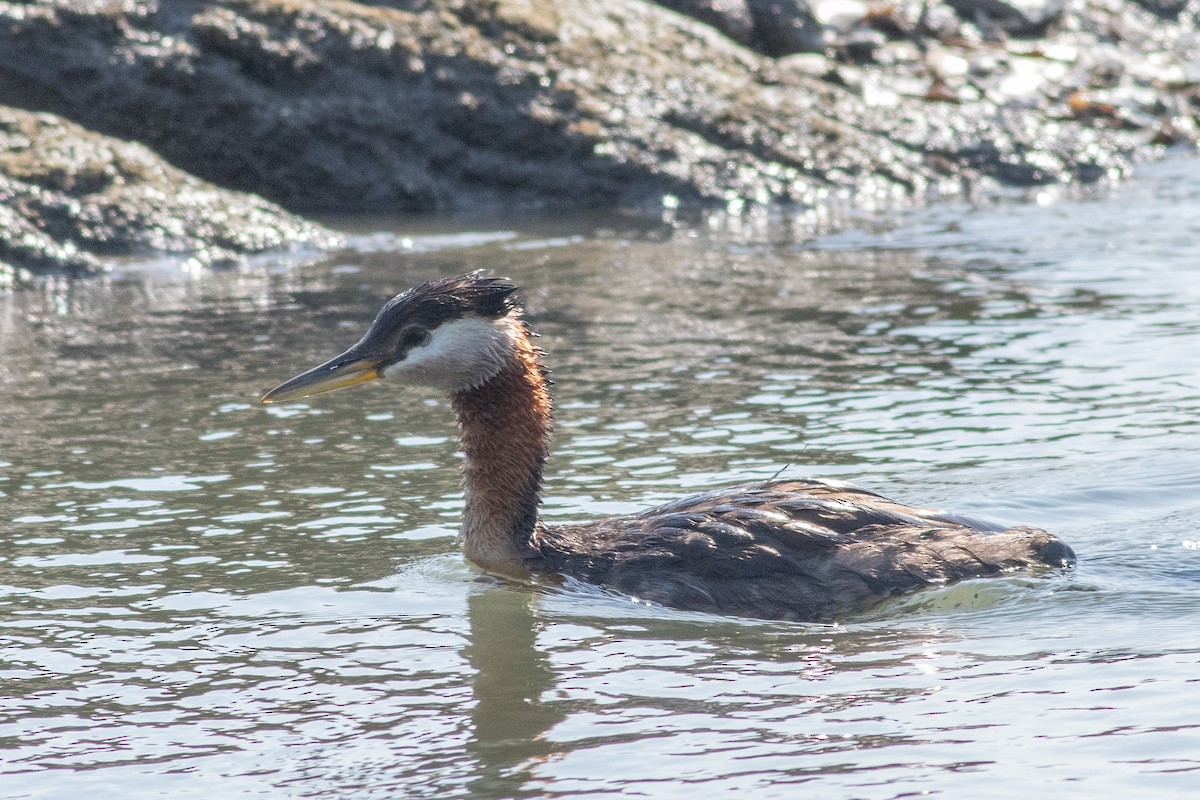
781, 549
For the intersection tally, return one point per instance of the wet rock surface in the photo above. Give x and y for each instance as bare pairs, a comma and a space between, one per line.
69, 197
420, 105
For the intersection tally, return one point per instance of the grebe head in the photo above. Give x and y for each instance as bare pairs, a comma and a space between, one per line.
452, 335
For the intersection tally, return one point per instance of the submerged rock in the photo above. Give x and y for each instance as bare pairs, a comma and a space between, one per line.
69, 197
420, 105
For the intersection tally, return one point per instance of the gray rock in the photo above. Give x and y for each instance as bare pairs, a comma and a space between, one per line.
68, 197
26, 245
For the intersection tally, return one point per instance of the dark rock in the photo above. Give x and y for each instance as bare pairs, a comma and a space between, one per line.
784, 27
69, 196
1167, 9
1020, 19
859, 46
730, 17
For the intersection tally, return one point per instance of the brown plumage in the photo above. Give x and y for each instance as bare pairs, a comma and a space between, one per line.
787, 549
783, 549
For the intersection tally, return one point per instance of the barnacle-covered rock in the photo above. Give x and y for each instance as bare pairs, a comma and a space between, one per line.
69, 197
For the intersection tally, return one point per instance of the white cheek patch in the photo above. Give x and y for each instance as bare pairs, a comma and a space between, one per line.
460, 354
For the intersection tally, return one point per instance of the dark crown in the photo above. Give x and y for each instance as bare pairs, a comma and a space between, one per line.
436, 302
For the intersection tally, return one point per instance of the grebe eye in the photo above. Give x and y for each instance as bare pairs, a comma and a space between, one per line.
414, 336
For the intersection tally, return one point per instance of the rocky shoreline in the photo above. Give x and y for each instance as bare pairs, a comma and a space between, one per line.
204, 128
71, 197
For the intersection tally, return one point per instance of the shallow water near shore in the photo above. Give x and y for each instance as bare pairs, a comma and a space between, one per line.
204, 597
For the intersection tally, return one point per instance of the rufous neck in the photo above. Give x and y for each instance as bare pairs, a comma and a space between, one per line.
504, 429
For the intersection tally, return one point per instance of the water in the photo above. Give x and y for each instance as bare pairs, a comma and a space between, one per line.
204, 597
